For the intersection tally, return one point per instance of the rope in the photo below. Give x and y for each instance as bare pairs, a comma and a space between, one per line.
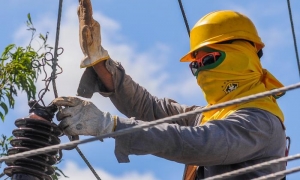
294, 36
184, 17
53, 77
147, 125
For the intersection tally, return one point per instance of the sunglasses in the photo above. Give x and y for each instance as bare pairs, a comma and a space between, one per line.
208, 59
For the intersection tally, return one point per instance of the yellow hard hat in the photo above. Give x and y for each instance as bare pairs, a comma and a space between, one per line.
219, 26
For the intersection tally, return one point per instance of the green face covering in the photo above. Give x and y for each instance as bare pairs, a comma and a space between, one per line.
238, 75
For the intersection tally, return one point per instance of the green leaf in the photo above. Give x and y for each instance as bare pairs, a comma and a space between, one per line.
31, 29
16, 71
4, 107
29, 18
10, 138
42, 37
8, 48
5, 54
2, 116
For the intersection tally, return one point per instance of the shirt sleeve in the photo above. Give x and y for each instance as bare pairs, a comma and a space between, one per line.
247, 134
133, 100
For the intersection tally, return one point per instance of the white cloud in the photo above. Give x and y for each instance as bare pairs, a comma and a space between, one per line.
146, 68
75, 173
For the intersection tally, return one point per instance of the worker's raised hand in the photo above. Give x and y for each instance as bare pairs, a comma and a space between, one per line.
80, 117
89, 36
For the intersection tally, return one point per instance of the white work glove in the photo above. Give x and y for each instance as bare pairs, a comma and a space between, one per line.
89, 36
80, 117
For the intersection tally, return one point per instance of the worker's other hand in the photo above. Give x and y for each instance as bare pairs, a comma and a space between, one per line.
89, 36
80, 117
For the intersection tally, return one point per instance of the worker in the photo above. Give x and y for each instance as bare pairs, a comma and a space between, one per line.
224, 57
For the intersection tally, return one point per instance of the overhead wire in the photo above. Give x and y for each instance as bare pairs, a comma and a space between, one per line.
147, 125
188, 31
54, 61
251, 168
171, 119
294, 35
184, 17
245, 170
235, 173
258, 166
53, 77
279, 174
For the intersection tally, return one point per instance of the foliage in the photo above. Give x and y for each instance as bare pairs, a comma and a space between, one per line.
57, 173
4, 144
17, 72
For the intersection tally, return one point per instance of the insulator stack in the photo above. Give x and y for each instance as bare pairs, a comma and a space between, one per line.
33, 132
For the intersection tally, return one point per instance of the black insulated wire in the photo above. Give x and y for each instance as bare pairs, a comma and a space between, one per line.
54, 84
56, 48
294, 36
184, 17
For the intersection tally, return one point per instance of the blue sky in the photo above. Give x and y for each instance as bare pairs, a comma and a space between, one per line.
148, 38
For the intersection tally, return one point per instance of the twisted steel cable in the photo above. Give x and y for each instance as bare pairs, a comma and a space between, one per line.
170, 119
56, 48
255, 167
278, 174
54, 76
259, 166
148, 125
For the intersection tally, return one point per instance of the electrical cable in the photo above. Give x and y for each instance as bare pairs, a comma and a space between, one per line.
53, 77
184, 17
294, 36
279, 174
148, 125
169, 119
253, 168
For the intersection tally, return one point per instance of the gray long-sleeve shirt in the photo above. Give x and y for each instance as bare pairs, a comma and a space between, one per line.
247, 137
